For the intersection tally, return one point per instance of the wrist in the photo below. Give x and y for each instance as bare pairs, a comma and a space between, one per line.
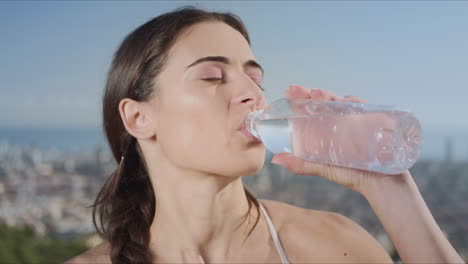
386, 186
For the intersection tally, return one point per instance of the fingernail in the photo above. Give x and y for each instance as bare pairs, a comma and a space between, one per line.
294, 88
314, 91
278, 162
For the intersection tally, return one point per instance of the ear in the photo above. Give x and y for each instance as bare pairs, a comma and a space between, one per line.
136, 119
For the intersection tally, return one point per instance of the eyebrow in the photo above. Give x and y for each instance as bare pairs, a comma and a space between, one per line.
225, 60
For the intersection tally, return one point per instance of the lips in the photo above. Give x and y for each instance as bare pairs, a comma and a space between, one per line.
246, 133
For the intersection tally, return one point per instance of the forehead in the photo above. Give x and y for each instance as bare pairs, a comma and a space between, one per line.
210, 39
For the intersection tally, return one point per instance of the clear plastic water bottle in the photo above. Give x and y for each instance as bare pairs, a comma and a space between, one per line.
385, 139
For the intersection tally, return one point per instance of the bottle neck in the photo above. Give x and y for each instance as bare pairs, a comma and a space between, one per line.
252, 121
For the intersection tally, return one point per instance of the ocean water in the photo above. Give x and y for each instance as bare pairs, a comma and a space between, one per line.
78, 140
434, 145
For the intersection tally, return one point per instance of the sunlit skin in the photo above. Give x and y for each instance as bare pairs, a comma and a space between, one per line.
196, 156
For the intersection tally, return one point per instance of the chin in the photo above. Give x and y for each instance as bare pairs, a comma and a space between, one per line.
239, 166
238, 163
249, 171
251, 164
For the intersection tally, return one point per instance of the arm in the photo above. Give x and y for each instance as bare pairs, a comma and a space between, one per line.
397, 203
405, 216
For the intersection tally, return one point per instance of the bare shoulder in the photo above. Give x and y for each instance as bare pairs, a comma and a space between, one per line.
320, 236
98, 254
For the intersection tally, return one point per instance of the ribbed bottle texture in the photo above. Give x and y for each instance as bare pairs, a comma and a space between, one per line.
384, 139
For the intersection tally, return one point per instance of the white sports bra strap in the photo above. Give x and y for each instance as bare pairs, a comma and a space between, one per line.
274, 235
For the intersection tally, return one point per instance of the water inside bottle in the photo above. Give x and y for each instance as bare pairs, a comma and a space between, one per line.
386, 142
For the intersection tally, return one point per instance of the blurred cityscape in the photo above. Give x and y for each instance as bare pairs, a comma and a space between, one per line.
52, 190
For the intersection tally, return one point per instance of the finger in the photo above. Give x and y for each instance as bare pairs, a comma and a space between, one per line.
293, 164
354, 99
303, 167
323, 95
294, 92
297, 91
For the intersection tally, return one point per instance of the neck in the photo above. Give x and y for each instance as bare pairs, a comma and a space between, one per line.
198, 215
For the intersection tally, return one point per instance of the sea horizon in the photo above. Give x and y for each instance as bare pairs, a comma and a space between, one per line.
87, 138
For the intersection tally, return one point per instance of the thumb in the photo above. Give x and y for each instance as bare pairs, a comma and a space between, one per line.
305, 167
298, 165
351, 178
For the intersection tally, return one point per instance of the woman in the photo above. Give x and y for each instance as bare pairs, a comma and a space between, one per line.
179, 88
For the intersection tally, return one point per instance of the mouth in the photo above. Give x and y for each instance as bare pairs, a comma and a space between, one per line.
243, 130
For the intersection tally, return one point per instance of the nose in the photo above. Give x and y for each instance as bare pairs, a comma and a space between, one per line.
248, 93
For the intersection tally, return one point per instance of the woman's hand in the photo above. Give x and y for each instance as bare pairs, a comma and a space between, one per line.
355, 179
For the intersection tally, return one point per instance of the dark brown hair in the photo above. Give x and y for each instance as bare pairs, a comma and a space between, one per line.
124, 208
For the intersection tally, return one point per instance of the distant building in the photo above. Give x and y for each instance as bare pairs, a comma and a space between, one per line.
448, 150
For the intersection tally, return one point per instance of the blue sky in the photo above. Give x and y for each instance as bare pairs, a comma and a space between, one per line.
55, 55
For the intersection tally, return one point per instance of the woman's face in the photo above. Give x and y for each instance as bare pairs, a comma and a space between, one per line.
201, 104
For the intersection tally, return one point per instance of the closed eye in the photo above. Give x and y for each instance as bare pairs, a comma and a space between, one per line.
215, 79
212, 79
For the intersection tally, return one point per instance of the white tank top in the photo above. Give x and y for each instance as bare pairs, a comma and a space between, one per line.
274, 235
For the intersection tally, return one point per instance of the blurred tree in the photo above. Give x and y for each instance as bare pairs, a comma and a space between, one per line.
24, 245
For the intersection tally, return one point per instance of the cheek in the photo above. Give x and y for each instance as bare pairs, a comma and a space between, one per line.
191, 132
195, 133
200, 144
199, 134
